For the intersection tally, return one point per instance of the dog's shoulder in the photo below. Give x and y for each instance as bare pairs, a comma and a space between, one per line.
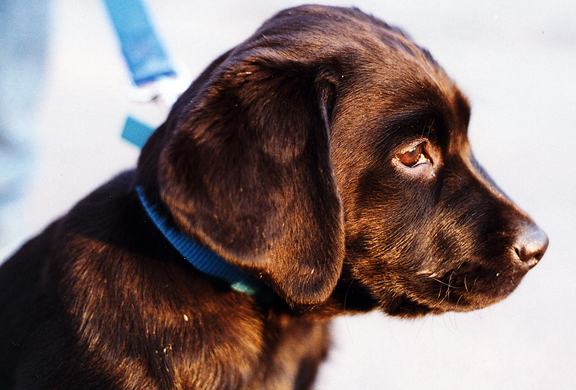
104, 270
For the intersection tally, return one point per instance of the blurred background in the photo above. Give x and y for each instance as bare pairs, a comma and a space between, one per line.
516, 60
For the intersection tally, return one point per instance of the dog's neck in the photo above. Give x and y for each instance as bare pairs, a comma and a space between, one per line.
203, 258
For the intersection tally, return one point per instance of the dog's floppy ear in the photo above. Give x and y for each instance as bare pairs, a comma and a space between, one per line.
247, 171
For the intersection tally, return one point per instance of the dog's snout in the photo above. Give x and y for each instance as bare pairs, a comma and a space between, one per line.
530, 245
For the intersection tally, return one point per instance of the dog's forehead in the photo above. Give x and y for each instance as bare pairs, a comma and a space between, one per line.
382, 69
398, 94
400, 86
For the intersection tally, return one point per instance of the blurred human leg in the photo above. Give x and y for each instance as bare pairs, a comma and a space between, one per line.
23, 37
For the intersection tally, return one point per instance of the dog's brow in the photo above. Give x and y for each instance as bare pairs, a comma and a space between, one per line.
415, 121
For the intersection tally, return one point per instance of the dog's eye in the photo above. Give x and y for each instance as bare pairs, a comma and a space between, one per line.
413, 156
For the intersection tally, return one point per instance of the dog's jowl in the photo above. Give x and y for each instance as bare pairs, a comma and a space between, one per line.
322, 167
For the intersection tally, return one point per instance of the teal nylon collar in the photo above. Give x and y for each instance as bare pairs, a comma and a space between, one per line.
203, 258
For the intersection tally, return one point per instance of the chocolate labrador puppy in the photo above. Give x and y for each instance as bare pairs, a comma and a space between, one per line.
320, 168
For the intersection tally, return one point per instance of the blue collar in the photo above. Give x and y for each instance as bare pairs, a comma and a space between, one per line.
203, 258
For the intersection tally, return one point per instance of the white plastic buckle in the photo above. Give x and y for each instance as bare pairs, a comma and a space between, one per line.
165, 91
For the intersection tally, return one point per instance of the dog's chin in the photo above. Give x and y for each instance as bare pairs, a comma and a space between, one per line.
406, 307
456, 300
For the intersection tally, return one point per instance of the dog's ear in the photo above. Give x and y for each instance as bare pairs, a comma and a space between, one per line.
247, 171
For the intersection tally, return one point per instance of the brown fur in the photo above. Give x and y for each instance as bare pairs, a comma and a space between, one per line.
290, 157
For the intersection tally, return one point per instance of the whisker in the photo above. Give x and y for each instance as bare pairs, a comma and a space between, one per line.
346, 295
458, 301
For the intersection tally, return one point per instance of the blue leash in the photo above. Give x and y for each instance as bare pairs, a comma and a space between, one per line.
151, 70
145, 55
136, 132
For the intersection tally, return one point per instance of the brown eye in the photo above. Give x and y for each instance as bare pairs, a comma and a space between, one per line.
413, 156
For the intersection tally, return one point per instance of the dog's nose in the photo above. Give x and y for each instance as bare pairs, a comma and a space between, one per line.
530, 245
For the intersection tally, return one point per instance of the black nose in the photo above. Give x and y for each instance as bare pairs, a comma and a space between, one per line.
530, 245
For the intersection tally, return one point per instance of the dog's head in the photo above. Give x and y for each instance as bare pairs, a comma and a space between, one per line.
328, 149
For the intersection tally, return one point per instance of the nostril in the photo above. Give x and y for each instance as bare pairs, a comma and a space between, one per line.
531, 245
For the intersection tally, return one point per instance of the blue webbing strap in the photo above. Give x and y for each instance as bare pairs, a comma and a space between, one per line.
150, 68
136, 132
144, 54
149, 63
